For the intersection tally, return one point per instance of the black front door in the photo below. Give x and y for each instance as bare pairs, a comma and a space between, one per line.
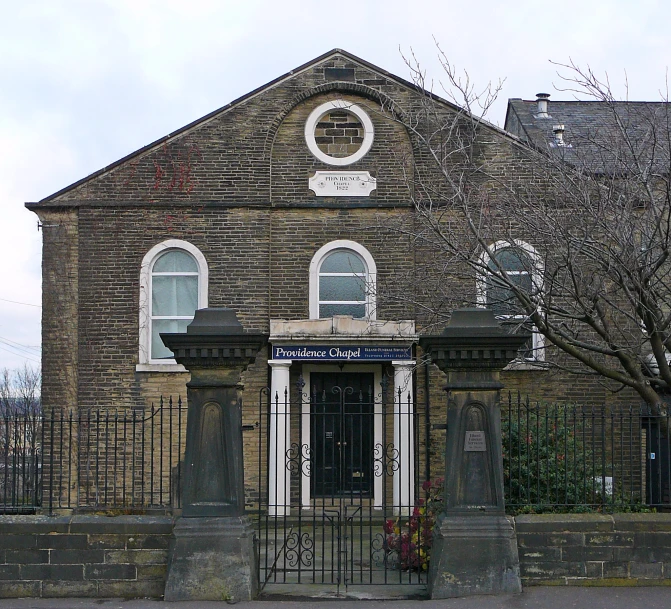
341, 408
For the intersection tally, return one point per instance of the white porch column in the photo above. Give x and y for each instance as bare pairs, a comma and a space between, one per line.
404, 437
280, 410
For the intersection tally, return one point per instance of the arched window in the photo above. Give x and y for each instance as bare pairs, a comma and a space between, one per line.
521, 264
342, 281
173, 284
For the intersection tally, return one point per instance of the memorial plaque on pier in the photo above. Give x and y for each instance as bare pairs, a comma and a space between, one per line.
475, 441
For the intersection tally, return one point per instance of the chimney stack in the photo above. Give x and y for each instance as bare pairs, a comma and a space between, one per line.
558, 130
542, 101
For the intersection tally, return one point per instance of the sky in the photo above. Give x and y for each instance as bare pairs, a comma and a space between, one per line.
85, 82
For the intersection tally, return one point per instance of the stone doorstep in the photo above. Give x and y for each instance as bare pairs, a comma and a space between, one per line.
310, 592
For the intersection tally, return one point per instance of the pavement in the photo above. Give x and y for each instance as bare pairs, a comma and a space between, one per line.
550, 597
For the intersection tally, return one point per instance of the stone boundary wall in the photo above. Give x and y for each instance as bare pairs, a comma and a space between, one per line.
83, 556
126, 556
595, 549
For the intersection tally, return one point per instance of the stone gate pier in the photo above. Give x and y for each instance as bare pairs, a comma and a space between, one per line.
212, 554
474, 544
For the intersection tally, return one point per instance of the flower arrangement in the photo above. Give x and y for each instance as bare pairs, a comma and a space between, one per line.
408, 544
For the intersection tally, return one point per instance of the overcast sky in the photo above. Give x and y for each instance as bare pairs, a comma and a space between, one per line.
85, 82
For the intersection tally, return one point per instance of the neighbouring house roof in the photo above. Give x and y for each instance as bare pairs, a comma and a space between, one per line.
600, 136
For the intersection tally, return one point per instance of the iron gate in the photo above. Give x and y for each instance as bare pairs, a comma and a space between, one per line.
339, 475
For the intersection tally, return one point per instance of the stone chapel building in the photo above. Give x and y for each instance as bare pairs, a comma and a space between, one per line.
272, 206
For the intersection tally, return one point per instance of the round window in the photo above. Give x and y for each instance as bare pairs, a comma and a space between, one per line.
339, 132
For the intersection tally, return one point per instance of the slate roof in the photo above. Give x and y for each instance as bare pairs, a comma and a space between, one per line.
593, 132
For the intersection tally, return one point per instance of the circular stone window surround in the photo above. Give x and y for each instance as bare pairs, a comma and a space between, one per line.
319, 112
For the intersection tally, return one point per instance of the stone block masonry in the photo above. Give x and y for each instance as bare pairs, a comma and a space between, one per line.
83, 556
339, 134
595, 549
126, 556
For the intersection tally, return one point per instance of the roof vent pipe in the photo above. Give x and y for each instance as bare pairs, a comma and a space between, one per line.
558, 130
542, 101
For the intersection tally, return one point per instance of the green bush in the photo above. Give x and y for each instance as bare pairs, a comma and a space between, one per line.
545, 462
550, 463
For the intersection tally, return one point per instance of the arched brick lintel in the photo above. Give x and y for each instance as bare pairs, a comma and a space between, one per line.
385, 102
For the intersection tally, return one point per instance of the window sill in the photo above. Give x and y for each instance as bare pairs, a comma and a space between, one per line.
526, 365
173, 367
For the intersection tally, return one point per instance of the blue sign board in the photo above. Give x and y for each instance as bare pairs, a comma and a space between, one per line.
350, 353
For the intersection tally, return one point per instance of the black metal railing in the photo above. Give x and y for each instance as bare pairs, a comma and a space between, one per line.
93, 459
565, 457
557, 457
21, 465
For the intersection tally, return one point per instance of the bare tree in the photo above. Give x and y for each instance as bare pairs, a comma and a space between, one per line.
20, 390
20, 424
570, 239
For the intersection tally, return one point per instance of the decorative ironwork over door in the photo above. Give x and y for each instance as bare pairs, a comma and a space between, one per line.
341, 505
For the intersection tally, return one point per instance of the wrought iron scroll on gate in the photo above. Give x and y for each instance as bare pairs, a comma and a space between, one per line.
339, 473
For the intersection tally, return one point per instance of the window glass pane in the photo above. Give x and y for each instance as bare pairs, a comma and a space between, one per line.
175, 261
522, 280
158, 349
342, 288
500, 299
512, 259
342, 261
174, 295
355, 310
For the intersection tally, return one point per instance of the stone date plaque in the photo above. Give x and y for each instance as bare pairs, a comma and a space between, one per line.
342, 183
475, 441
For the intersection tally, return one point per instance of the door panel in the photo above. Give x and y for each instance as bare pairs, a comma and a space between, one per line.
342, 433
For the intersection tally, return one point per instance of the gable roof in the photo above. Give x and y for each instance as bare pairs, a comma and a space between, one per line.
273, 83
595, 131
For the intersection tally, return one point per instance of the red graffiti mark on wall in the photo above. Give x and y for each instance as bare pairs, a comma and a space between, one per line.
174, 167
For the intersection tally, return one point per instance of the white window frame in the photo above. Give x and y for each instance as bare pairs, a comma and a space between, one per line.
370, 271
338, 104
538, 340
145, 362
